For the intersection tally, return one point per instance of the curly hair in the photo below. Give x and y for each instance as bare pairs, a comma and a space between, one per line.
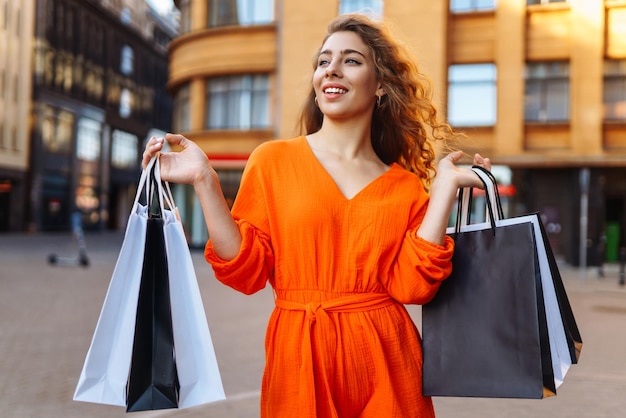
405, 124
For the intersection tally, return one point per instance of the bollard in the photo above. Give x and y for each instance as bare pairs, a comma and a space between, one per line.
622, 265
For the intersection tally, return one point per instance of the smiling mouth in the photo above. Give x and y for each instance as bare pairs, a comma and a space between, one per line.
335, 90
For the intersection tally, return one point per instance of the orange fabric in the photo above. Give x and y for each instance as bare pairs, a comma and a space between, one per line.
340, 342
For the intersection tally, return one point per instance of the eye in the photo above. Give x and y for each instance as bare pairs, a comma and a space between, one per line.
322, 61
352, 61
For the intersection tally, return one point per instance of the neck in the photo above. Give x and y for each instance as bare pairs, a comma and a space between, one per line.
348, 140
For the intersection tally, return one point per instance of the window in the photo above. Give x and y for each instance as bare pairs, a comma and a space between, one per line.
547, 92
181, 116
615, 90
124, 150
126, 16
529, 2
472, 5
127, 60
238, 102
472, 95
126, 103
240, 12
361, 6
185, 15
88, 140
57, 130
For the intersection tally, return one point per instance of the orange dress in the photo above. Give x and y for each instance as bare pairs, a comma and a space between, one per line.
340, 342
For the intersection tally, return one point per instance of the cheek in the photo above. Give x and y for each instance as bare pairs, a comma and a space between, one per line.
318, 76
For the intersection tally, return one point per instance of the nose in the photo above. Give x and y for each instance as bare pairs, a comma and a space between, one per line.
332, 69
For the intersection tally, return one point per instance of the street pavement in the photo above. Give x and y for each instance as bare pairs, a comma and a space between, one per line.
48, 314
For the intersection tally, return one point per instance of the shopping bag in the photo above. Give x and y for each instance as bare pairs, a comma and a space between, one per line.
196, 378
495, 327
198, 372
104, 375
153, 381
563, 330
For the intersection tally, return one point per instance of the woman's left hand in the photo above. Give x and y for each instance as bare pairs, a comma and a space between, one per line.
443, 191
458, 177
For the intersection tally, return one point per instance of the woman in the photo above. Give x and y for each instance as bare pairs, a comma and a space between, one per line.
340, 224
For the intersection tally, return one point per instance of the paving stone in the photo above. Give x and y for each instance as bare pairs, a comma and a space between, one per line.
48, 314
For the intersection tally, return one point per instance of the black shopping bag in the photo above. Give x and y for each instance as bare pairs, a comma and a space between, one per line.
562, 325
487, 332
153, 381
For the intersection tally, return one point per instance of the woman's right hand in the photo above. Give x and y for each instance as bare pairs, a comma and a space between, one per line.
188, 166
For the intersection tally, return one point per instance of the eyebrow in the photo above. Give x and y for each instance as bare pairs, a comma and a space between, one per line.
343, 52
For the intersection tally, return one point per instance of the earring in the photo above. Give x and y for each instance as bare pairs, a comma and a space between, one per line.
315, 100
378, 101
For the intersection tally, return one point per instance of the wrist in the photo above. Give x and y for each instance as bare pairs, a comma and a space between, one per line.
206, 179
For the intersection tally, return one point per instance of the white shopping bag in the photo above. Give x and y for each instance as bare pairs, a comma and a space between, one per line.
105, 372
198, 372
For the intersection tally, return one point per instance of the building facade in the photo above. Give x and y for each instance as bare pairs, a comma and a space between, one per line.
99, 77
538, 85
16, 39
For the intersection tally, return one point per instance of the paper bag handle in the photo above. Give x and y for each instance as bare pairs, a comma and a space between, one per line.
492, 197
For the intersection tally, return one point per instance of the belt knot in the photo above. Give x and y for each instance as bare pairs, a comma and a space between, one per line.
311, 309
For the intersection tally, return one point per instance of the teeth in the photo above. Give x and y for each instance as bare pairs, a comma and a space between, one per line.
335, 90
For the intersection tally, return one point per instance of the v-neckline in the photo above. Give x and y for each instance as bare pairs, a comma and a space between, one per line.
330, 178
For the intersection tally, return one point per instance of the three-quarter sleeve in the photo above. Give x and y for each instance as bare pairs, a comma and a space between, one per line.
253, 266
419, 269
420, 265
250, 270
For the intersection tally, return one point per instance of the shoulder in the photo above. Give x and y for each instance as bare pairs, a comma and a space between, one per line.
406, 187
404, 177
275, 148
270, 155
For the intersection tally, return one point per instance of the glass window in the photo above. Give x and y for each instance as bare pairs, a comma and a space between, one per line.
126, 16
238, 102
88, 140
472, 5
182, 117
547, 92
361, 6
615, 90
185, 15
472, 95
57, 130
126, 103
240, 12
127, 60
124, 150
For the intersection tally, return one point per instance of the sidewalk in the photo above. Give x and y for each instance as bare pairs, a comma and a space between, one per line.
48, 314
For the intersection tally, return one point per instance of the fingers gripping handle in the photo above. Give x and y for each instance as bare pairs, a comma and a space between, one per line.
151, 176
493, 204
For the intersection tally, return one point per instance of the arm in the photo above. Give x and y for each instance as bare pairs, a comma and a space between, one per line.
191, 166
443, 192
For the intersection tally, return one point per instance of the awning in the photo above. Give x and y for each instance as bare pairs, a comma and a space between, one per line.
228, 161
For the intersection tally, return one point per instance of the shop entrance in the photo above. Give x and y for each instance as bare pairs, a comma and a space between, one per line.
614, 229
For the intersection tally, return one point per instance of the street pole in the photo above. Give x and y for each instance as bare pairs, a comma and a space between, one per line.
584, 209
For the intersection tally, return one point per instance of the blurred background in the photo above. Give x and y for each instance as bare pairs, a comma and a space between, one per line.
538, 85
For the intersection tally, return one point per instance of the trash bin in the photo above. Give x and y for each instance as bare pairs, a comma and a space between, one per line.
612, 241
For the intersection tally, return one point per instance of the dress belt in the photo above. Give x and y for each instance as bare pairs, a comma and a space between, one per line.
317, 318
